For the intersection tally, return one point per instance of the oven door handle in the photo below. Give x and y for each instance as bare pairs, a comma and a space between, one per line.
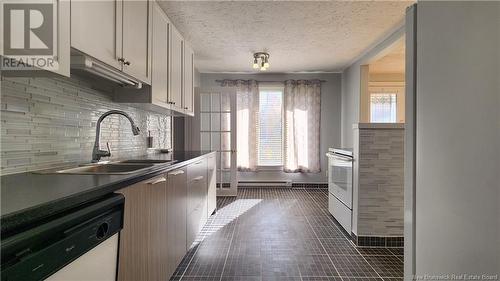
339, 156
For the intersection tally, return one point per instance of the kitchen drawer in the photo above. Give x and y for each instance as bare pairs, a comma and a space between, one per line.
196, 184
340, 212
197, 192
195, 222
197, 169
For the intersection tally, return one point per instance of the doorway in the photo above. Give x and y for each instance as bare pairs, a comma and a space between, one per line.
217, 117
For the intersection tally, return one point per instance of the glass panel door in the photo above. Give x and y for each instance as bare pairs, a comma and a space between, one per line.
218, 133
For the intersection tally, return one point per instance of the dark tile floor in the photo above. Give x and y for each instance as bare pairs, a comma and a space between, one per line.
282, 234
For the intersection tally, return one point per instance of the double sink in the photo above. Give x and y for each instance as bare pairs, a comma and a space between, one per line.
114, 168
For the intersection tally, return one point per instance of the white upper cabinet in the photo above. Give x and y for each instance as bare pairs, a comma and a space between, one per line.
96, 30
114, 32
62, 50
159, 80
136, 39
153, 51
188, 89
176, 60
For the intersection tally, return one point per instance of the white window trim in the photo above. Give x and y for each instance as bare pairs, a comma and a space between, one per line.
270, 168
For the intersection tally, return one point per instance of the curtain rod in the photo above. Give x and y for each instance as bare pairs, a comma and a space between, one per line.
282, 81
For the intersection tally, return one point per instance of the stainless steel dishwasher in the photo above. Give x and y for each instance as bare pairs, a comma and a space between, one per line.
79, 245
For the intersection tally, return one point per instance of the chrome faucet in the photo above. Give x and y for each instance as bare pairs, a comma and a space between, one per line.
97, 153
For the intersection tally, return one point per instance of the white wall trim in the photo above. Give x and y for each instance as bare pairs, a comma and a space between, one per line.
373, 51
410, 144
270, 72
386, 84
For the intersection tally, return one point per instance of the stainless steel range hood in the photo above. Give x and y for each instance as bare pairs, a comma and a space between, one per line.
95, 67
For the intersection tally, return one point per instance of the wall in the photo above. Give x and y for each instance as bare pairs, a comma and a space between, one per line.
330, 120
378, 181
49, 121
457, 138
197, 78
351, 83
387, 77
364, 94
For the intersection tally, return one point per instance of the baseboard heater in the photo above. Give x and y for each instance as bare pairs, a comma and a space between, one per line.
265, 184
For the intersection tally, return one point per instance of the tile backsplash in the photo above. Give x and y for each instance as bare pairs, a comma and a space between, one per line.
49, 121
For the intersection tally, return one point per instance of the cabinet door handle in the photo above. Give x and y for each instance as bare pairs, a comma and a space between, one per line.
199, 178
176, 173
122, 60
126, 63
157, 181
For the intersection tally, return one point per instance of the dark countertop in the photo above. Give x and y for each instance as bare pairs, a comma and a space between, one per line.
27, 198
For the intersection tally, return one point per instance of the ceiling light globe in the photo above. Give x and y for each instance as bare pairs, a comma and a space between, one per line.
263, 68
266, 65
255, 65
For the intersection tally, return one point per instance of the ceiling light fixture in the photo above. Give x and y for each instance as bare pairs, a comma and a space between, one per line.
255, 63
263, 65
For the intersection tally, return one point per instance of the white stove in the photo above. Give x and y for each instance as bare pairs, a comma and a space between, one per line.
340, 185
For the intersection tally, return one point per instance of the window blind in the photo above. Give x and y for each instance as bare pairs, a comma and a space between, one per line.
270, 127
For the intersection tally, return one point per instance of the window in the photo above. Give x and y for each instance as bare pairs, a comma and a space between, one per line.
383, 108
270, 127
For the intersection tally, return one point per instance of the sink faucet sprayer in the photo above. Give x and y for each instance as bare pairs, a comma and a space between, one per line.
97, 153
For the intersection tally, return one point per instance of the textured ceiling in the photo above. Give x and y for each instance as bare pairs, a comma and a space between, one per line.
392, 62
299, 35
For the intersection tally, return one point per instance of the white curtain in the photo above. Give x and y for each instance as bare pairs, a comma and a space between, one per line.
247, 116
302, 125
